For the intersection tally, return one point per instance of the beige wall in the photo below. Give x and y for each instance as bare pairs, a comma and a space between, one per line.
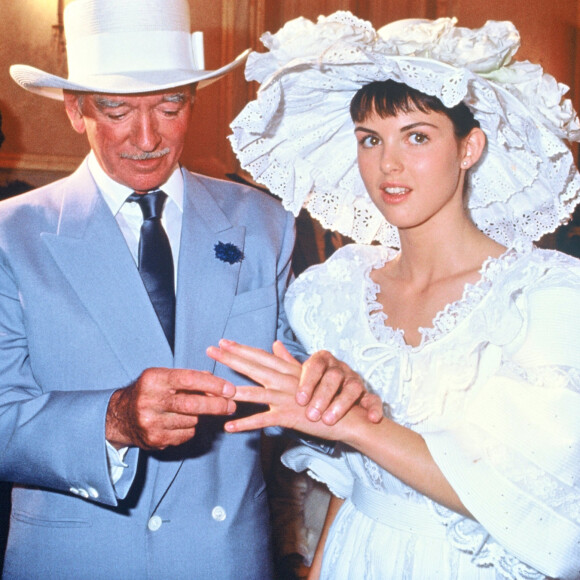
40, 144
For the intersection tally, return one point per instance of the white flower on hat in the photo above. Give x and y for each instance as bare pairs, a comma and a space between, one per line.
301, 39
541, 93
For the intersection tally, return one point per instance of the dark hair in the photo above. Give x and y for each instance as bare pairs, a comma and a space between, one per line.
388, 98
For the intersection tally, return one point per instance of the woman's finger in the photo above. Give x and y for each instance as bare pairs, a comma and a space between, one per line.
284, 364
257, 421
254, 370
280, 350
250, 394
257, 364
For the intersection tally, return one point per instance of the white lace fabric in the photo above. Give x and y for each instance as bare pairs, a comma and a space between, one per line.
298, 140
494, 389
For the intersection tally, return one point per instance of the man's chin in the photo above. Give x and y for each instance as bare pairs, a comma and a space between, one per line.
145, 175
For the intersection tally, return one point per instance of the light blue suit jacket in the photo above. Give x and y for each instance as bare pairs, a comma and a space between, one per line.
75, 325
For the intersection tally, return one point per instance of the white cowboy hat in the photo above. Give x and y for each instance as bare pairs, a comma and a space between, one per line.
126, 47
297, 137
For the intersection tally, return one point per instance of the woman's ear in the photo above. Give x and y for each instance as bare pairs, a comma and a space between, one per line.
73, 107
473, 146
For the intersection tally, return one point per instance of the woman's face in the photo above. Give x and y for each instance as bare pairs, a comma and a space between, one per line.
413, 166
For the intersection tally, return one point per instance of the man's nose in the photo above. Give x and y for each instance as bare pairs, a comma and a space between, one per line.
145, 133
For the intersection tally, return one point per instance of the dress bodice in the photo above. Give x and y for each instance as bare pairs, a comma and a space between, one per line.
482, 387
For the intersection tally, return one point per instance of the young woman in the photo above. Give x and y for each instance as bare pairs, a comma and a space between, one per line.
467, 331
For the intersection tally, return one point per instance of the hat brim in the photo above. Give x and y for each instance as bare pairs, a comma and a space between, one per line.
48, 85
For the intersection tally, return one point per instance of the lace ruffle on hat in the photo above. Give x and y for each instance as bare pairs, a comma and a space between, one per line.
297, 137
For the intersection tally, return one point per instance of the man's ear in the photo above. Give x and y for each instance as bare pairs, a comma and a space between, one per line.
73, 107
193, 89
473, 146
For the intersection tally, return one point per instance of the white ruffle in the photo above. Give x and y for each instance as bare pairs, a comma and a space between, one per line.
494, 389
297, 138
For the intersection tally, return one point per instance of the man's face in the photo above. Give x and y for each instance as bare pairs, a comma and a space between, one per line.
137, 139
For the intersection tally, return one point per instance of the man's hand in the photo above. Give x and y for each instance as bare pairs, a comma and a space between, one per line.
327, 387
162, 407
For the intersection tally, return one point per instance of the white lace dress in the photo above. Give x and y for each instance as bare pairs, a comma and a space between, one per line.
494, 389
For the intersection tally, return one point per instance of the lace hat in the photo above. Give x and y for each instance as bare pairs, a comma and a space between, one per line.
297, 137
125, 47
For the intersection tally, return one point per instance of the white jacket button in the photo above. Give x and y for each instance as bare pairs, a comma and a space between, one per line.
74, 490
218, 513
93, 492
154, 523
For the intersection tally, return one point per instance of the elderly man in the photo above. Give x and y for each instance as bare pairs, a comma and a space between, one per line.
113, 282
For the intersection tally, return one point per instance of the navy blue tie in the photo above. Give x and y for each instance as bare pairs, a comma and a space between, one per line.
156, 260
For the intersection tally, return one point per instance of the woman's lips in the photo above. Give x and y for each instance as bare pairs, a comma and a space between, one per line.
392, 193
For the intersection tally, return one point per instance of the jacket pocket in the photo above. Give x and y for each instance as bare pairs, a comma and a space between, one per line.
254, 300
49, 523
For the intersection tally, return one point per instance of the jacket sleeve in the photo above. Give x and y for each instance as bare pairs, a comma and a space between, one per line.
284, 277
53, 439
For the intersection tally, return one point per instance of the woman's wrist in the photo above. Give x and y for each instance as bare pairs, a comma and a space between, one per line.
357, 428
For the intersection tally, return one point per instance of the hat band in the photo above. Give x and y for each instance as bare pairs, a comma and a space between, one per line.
112, 53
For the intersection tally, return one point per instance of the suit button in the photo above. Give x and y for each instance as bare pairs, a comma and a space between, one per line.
93, 492
154, 523
218, 513
74, 490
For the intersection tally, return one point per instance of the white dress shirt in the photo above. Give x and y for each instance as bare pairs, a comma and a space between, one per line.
129, 215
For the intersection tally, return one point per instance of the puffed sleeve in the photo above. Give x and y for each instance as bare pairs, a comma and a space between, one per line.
331, 470
513, 457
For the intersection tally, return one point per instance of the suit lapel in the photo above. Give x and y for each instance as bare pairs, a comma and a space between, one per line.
92, 254
206, 285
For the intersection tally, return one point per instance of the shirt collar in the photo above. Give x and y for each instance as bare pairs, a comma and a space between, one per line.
115, 194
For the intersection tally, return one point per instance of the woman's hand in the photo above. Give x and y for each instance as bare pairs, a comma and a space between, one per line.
328, 388
280, 374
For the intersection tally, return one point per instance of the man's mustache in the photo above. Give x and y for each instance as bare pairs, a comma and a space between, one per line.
146, 155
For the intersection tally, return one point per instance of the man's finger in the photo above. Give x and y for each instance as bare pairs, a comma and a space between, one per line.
200, 382
166, 438
194, 404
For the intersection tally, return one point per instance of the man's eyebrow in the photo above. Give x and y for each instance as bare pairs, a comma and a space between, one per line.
175, 98
104, 102
107, 103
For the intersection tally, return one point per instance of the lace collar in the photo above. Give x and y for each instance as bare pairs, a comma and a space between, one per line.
455, 312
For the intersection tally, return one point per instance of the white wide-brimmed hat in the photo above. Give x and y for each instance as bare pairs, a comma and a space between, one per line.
297, 137
126, 47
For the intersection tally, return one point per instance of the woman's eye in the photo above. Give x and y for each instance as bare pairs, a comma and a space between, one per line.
370, 141
418, 138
